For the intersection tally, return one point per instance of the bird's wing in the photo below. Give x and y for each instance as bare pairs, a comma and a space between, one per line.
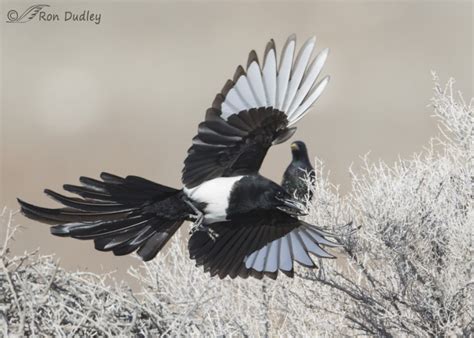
255, 110
243, 250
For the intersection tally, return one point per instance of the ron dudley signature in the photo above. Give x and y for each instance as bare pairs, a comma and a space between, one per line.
43, 13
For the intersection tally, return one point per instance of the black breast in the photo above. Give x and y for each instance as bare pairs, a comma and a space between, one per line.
295, 179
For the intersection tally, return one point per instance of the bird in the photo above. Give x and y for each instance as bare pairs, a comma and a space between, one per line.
299, 176
243, 223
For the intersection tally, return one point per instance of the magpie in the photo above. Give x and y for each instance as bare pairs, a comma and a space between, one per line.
299, 176
244, 224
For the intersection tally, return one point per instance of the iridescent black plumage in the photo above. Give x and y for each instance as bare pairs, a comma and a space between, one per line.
299, 175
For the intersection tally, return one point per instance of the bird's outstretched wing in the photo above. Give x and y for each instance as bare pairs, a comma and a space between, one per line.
255, 110
248, 249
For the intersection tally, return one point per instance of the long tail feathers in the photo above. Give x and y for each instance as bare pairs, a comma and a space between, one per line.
120, 214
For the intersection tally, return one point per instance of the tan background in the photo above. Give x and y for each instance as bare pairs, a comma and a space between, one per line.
126, 96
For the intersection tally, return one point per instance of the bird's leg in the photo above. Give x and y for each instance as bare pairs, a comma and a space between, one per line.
198, 217
198, 222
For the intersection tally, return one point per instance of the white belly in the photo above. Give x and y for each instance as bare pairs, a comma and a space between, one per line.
215, 193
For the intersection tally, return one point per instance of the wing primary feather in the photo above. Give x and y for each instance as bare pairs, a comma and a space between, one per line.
298, 71
234, 246
308, 81
253, 248
228, 109
239, 261
227, 87
259, 262
286, 62
242, 87
285, 255
300, 250
254, 76
312, 245
319, 238
250, 260
309, 100
271, 262
234, 100
214, 253
269, 73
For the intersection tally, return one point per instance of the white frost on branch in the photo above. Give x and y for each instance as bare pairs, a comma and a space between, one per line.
405, 268
408, 268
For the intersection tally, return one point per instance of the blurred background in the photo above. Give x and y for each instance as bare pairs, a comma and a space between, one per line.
126, 95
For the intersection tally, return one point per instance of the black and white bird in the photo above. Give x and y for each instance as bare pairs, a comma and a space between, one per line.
245, 224
299, 176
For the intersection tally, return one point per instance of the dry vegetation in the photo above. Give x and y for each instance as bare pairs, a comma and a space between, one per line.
405, 268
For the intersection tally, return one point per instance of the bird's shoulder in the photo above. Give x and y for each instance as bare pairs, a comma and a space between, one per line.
248, 196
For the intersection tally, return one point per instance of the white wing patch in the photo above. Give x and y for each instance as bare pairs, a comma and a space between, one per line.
290, 86
294, 246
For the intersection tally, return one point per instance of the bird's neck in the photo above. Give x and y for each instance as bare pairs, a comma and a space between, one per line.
301, 157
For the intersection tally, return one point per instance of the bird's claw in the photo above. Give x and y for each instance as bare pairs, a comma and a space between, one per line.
198, 223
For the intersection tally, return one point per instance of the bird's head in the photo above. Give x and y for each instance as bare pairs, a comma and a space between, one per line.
298, 149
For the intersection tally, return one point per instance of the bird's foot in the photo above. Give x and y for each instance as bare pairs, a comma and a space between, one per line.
198, 217
198, 220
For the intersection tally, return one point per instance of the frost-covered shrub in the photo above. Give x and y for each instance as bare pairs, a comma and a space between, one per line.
408, 267
37, 297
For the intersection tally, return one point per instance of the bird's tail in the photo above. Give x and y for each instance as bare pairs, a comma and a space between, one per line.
120, 214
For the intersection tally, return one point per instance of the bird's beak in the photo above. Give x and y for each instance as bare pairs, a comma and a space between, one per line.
292, 207
294, 146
